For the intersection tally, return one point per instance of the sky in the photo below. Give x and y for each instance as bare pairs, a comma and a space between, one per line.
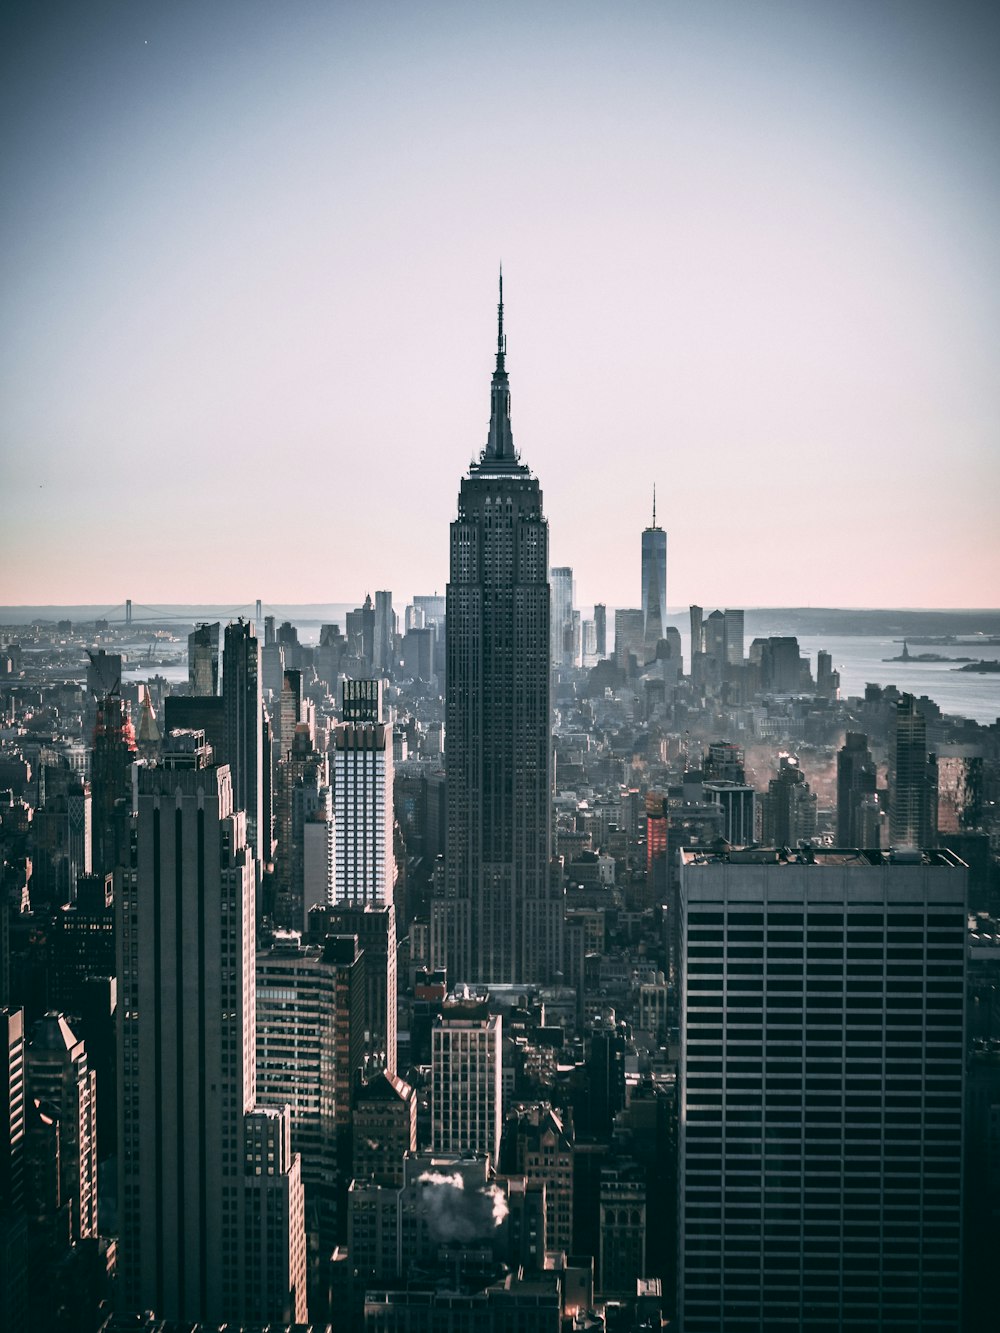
248, 264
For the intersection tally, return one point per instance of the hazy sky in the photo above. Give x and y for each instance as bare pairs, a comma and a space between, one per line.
247, 305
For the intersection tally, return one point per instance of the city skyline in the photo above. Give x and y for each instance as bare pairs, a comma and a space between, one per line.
749, 259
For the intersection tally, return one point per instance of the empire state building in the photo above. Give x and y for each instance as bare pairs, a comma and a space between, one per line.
499, 919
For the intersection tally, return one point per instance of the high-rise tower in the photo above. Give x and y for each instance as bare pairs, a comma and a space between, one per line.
821, 1090
363, 776
913, 789
212, 1207
500, 920
654, 584
244, 747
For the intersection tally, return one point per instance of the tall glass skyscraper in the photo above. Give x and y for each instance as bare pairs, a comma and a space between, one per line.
498, 919
654, 584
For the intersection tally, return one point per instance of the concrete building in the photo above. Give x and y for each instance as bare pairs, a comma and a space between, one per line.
822, 1071
541, 1149
466, 1100
274, 1230
385, 1129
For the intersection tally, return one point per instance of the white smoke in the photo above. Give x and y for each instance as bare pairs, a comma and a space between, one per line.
453, 1213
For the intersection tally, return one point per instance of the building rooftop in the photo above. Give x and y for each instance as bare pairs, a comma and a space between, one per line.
821, 856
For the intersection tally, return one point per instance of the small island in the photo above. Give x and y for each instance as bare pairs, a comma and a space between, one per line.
991, 666
907, 656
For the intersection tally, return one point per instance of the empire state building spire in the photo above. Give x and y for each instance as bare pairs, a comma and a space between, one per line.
500, 444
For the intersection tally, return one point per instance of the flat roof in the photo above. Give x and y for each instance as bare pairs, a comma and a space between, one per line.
822, 856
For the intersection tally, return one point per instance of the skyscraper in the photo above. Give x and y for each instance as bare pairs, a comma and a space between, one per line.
304, 1035
654, 584
203, 660
856, 780
362, 785
186, 1061
822, 1069
500, 919
111, 782
384, 637
789, 806
561, 623
243, 708
914, 788
601, 629
732, 637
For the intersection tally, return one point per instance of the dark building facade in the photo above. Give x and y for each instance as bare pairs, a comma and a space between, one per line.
500, 920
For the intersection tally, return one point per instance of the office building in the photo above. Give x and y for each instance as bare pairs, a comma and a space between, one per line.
385, 1129
724, 762
384, 635
187, 1049
601, 630
541, 1149
305, 854
289, 710
111, 760
789, 806
243, 730
374, 925
621, 1251
59, 1078
822, 1059
856, 783
82, 943
629, 636
914, 786
561, 622
359, 627
203, 712
13, 1216
827, 680
782, 667
104, 681
499, 917
274, 1232
738, 803
362, 785
732, 638
654, 585
696, 614
466, 1103
308, 1029
203, 660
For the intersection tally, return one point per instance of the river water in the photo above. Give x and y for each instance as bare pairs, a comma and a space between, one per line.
860, 660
